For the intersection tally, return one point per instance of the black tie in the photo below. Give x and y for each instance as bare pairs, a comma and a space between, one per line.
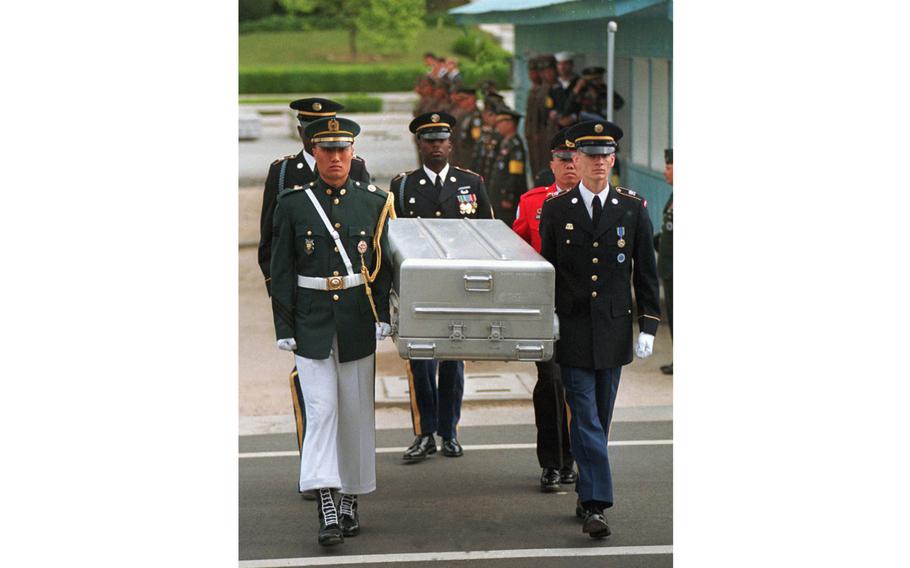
438, 183
598, 210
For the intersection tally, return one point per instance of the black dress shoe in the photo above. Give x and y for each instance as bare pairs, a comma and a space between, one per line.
595, 524
348, 517
667, 369
329, 530
452, 449
567, 475
423, 446
549, 480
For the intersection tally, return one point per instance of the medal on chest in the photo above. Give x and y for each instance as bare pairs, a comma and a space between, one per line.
621, 232
467, 204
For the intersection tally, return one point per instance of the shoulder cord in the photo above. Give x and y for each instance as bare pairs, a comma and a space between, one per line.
388, 210
284, 167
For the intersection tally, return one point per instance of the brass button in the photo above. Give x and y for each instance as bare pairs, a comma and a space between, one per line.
328, 192
594, 260
568, 242
438, 213
336, 249
336, 201
593, 278
363, 232
335, 297
308, 233
337, 225
593, 294
596, 244
343, 191
334, 273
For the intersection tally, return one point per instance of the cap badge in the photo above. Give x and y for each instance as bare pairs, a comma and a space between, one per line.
598, 128
570, 144
317, 106
435, 118
333, 125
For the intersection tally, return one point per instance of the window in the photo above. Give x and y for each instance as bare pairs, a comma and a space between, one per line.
650, 111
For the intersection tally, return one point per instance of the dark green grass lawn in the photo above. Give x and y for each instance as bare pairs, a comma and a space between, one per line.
331, 47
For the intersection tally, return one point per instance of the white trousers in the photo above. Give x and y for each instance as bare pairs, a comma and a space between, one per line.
339, 450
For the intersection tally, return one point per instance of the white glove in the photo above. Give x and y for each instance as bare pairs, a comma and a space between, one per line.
645, 345
383, 330
287, 344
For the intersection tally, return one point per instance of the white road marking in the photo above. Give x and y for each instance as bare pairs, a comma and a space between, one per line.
461, 555
468, 447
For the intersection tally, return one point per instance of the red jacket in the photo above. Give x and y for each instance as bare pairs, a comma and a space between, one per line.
527, 224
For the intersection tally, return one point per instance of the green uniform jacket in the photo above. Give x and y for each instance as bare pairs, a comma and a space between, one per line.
665, 243
507, 181
302, 245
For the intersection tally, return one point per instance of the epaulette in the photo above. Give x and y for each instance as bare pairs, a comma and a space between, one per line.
370, 188
281, 159
556, 196
466, 170
292, 190
627, 193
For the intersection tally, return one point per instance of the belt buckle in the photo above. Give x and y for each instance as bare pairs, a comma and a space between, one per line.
335, 283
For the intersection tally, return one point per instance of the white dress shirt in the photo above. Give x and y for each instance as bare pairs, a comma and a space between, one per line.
310, 161
432, 175
588, 197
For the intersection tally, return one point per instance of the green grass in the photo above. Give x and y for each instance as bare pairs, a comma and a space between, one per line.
330, 47
352, 102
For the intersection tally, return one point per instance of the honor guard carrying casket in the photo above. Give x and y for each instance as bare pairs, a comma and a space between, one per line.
599, 239
287, 172
330, 301
437, 189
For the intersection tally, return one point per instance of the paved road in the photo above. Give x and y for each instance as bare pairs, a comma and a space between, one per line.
486, 504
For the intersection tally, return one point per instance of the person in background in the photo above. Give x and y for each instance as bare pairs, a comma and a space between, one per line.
507, 180
561, 89
533, 128
453, 73
468, 127
663, 242
553, 452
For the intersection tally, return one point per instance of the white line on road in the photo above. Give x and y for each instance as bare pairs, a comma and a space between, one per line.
462, 555
469, 447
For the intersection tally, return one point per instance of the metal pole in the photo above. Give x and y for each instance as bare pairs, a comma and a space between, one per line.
611, 38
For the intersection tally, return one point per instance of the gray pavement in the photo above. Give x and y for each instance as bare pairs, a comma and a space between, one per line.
486, 501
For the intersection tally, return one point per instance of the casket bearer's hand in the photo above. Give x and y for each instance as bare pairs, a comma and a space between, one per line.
645, 345
287, 344
383, 330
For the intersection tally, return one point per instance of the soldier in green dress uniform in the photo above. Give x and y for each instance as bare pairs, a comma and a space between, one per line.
330, 301
508, 180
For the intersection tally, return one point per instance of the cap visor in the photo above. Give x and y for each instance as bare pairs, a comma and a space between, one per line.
563, 154
596, 150
435, 135
333, 144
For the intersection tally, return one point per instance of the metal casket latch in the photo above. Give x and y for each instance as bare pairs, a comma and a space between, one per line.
457, 331
496, 331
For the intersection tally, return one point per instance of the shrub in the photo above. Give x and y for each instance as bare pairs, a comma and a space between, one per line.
329, 78
256, 9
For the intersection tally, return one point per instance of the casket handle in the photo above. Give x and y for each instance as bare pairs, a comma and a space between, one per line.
478, 283
530, 352
421, 350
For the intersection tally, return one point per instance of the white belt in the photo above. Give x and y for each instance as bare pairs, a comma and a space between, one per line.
330, 282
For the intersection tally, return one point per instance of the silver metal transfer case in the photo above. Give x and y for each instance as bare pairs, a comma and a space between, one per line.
470, 289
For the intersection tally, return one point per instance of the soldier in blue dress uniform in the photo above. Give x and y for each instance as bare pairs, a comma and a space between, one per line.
599, 239
437, 189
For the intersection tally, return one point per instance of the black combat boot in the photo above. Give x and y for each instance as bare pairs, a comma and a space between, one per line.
329, 531
349, 519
